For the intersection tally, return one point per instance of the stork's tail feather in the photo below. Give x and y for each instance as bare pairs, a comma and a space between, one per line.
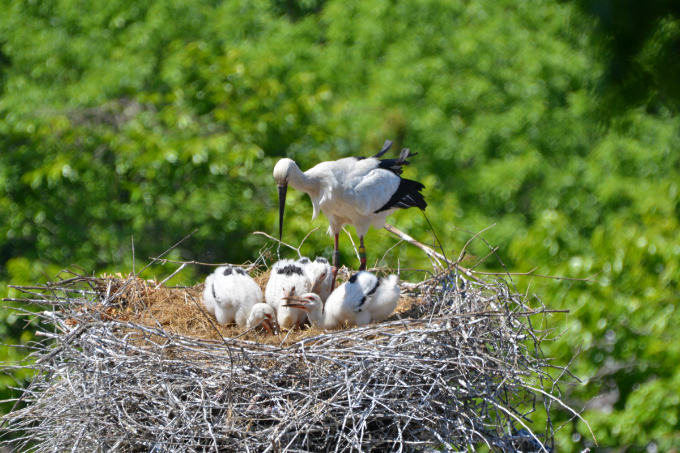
407, 196
386, 147
394, 165
405, 154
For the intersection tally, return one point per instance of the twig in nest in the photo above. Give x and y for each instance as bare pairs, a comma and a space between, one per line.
288, 245
531, 273
356, 252
431, 253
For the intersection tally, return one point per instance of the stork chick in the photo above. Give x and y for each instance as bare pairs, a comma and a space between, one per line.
230, 294
355, 191
287, 277
363, 299
320, 274
263, 314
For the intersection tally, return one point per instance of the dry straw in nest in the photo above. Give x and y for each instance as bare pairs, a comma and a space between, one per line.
128, 366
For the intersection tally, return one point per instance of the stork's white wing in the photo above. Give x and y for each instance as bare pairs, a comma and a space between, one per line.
353, 298
356, 292
374, 189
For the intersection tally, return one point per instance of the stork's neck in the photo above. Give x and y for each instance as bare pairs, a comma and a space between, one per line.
319, 319
308, 183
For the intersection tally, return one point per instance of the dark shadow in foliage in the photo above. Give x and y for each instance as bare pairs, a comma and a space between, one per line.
297, 9
5, 63
643, 46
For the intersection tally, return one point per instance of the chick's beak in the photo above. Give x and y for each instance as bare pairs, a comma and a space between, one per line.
315, 288
295, 302
271, 326
282, 204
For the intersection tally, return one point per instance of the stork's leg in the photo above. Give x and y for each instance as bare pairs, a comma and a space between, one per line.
336, 258
362, 254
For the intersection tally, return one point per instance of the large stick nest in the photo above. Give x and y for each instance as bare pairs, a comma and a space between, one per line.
127, 365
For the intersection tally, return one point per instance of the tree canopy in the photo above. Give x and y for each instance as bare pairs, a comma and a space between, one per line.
150, 119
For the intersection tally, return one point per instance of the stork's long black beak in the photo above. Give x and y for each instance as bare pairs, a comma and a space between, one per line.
282, 204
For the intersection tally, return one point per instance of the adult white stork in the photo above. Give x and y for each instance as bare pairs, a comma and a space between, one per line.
360, 301
233, 296
355, 191
287, 277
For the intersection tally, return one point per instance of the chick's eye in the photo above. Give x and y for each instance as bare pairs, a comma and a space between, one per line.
323, 275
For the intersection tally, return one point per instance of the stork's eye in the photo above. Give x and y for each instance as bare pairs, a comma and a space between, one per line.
323, 275
310, 298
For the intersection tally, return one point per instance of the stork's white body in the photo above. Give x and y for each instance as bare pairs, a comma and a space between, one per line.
230, 294
360, 301
286, 276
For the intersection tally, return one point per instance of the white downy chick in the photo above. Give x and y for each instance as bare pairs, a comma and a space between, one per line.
230, 294
263, 313
287, 277
321, 277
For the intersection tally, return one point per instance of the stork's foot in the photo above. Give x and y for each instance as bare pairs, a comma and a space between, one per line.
362, 267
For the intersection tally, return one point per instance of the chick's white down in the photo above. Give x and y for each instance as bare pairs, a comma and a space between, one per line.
320, 276
287, 276
230, 294
262, 313
208, 295
363, 299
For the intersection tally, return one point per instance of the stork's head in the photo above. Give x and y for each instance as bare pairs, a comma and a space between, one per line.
308, 302
320, 273
281, 174
264, 314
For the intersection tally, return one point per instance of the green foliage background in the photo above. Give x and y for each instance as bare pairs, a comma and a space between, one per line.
152, 118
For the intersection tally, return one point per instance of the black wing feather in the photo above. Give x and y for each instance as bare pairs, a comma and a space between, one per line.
369, 294
407, 196
408, 193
